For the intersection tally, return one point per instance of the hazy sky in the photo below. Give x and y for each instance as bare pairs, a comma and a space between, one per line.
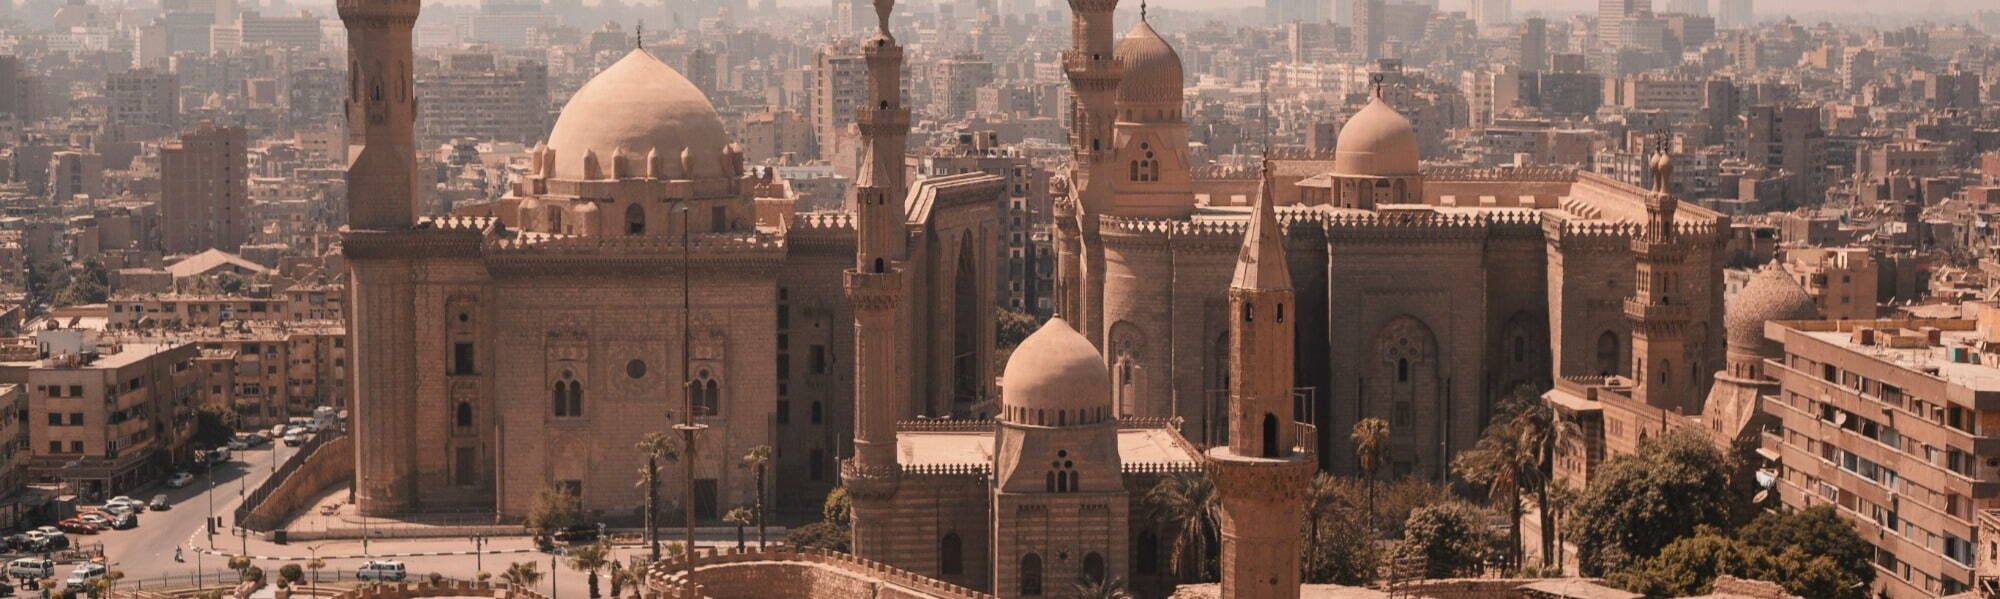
1763, 6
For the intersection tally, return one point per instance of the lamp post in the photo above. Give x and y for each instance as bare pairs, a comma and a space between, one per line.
689, 427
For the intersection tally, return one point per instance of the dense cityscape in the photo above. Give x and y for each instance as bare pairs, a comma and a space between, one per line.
992, 299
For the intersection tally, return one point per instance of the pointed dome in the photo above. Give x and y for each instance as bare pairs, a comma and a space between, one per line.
1261, 264
1377, 142
1770, 295
1152, 67
639, 106
1055, 369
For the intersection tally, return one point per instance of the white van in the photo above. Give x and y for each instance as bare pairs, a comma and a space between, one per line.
387, 570
84, 574
31, 567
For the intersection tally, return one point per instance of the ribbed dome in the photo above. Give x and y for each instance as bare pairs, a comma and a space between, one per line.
1770, 295
639, 106
1377, 142
1055, 369
1152, 67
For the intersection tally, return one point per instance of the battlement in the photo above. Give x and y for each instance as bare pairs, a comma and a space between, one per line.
458, 223
1222, 173
1599, 229
682, 576
812, 221
1426, 219
1165, 422
947, 470
453, 588
1160, 468
946, 426
702, 245
1535, 174
351, 10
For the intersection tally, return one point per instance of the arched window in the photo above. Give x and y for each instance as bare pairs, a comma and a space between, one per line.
1031, 575
1249, 312
816, 464
1093, 568
463, 417
1049, 482
567, 396
878, 265
951, 555
1281, 312
818, 413
1135, 170
1270, 436
575, 398
1520, 349
1666, 369
713, 395
635, 220
1607, 354
706, 394
1402, 370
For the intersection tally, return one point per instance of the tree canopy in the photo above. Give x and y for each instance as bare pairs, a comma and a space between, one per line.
1450, 539
1642, 501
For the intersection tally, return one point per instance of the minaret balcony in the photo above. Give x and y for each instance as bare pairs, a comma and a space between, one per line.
1091, 6
1646, 311
871, 290
1083, 68
351, 10
868, 118
1658, 249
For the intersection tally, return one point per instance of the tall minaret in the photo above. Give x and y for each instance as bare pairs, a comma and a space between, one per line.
1094, 72
380, 244
1262, 472
1659, 319
875, 286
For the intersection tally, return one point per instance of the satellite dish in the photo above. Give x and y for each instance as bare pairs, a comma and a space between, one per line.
1840, 418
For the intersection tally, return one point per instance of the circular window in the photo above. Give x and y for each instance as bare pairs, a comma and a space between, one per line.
635, 368
464, 317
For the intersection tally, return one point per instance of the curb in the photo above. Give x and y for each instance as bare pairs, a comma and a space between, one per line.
207, 551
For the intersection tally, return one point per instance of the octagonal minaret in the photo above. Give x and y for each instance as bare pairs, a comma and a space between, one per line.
1262, 473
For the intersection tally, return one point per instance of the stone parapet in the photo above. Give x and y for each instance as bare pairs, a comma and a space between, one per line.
823, 573
361, 244
1539, 174
452, 588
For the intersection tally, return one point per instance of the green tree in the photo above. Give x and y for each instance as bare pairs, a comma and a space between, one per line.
1341, 549
1187, 505
1496, 462
90, 285
589, 559
1012, 327
1817, 530
838, 509
758, 459
1450, 539
658, 447
523, 574
741, 517
214, 425
1689, 566
291, 573
554, 509
1113, 588
240, 564
1641, 501
832, 531
1395, 501
1370, 436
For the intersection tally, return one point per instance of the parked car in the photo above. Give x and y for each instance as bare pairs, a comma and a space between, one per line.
118, 508
96, 519
54, 537
294, 439
128, 502
218, 455
278, 430
84, 573
255, 440
31, 567
385, 570
36, 541
159, 502
77, 526
581, 533
180, 479
124, 522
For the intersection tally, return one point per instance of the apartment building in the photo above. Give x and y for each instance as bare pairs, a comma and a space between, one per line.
14, 453
299, 303
1843, 281
100, 413
1896, 422
204, 190
270, 372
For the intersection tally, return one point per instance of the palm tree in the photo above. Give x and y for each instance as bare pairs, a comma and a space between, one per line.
1099, 589
522, 574
588, 559
314, 566
1371, 436
756, 460
1559, 497
1496, 462
739, 516
109, 582
1539, 431
1322, 498
1188, 505
658, 447
635, 578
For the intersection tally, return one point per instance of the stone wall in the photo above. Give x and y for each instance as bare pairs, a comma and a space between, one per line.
329, 465
453, 589
787, 572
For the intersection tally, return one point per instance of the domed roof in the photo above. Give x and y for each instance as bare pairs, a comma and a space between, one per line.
1152, 67
1055, 369
1770, 295
636, 108
1377, 142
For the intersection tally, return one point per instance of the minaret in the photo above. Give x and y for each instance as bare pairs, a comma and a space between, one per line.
1659, 319
875, 286
381, 245
1262, 472
1094, 72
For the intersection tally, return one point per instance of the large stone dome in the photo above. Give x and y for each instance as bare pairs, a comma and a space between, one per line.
1770, 295
1055, 370
640, 107
1152, 67
1377, 142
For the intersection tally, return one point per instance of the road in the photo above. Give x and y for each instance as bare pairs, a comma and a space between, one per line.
146, 554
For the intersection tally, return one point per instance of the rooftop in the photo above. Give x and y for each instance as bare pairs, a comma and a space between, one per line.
1927, 346
1138, 443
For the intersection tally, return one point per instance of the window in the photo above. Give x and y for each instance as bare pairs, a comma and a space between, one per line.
636, 368
819, 362
707, 394
463, 417
461, 358
566, 396
76, 447
55, 419
1093, 568
1270, 436
76, 418
718, 219
1031, 575
55, 447
951, 555
816, 463
635, 220
1402, 370
1062, 476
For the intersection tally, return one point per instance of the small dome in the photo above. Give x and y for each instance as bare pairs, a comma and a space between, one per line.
639, 106
1377, 142
1770, 295
1055, 369
1152, 67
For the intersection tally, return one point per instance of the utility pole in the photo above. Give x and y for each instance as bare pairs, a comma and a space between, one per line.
688, 426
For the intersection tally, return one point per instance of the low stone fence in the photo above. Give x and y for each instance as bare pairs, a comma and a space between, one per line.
440, 590
304, 478
789, 572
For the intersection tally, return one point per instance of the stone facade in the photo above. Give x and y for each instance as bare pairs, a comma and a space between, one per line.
627, 286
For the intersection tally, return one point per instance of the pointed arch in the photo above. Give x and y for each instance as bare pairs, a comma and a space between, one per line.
951, 554
635, 219
1031, 575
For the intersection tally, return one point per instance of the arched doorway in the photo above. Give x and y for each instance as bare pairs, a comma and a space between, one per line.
951, 555
1093, 568
1270, 436
1031, 575
1609, 354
